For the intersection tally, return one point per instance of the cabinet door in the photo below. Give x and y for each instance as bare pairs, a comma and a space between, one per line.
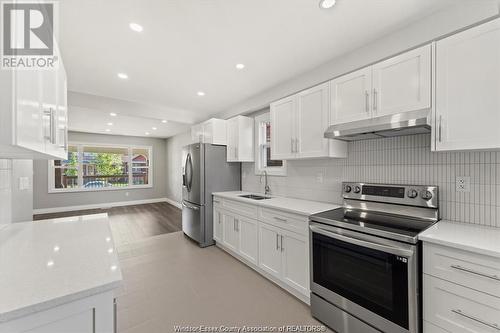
402, 83
248, 232
283, 129
245, 139
269, 250
312, 120
295, 261
232, 140
218, 223
28, 110
350, 96
467, 89
230, 236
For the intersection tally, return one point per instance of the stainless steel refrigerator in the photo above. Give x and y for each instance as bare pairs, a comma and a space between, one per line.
204, 171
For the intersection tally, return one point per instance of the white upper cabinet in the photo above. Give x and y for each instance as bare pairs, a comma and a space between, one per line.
240, 139
399, 84
212, 131
298, 123
402, 83
468, 89
283, 128
37, 110
351, 96
312, 121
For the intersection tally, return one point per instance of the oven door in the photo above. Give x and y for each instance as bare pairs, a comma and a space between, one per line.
372, 278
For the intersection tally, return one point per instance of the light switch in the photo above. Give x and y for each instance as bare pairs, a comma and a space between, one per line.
463, 184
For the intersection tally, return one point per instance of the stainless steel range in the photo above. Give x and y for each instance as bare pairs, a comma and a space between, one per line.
366, 258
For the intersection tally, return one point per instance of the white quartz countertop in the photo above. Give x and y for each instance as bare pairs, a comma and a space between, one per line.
47, 263
297, 206
470, 237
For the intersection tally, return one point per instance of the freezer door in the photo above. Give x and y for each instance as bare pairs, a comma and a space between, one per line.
193, 221
192, 178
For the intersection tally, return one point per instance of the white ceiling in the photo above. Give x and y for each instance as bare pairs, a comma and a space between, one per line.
194, 45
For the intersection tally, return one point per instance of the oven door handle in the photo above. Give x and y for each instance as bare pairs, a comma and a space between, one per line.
375, 246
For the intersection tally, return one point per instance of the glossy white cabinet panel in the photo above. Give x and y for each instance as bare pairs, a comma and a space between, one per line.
350, 97
283, 143
312, 120
240, 139
402, 83
295, 257
230, 237
459, 309
467, 89
212, 131
248, 231
270, 250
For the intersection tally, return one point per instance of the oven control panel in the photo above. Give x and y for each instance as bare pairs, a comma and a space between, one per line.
414, 195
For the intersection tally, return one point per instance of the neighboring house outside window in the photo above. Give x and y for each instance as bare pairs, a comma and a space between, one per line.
91, 167
263, 160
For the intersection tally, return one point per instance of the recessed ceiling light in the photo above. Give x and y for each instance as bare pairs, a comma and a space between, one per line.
112, 114
147, 133
123, 76
136, 27
200, 93
325, 4
164, 121
107, 130
154, 128
109, 124
240, 66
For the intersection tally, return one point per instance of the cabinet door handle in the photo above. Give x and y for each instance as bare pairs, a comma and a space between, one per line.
48, 113
440, 127
236, 152
115, 316
296, 145
237, 225
375, 95
282, 247
468, 270
277, 245
476, 319
291, 145
367, 101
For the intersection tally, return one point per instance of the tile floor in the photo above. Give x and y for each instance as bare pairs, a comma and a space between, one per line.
168, 281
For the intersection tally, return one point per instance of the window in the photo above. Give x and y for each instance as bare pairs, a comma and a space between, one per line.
101, 167
263, 160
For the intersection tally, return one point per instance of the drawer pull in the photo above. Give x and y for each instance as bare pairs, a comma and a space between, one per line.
280, 219
463, 314
468, 270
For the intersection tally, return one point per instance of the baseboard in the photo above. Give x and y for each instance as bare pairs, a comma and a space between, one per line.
174, 203
102, 205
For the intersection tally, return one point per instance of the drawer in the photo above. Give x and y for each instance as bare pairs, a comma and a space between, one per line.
291, 222
240, 208
469, 269
459, 309
431, 328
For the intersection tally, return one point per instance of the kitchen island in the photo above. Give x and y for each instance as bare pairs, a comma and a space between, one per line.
58, 276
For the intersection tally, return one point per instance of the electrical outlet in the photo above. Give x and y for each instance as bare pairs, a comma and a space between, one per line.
319, 177
463, 184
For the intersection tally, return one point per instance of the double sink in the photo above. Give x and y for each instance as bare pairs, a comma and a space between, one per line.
254, 196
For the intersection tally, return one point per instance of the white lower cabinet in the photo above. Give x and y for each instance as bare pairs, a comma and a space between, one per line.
460, 291
272, 242
94, 314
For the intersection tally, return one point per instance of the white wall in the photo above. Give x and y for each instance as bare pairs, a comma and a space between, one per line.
43, 200
16, 205
434, 26
174, 165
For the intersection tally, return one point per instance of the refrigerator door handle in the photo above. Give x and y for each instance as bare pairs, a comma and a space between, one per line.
189, 180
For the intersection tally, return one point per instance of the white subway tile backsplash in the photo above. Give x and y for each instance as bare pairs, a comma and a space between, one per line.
404, 160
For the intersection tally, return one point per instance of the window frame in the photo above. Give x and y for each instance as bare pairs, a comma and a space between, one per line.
80, 145
271, 171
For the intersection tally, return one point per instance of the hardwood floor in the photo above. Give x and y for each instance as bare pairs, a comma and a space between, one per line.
133, 223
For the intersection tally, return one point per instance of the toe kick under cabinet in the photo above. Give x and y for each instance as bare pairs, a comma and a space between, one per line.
461, 291
273, 242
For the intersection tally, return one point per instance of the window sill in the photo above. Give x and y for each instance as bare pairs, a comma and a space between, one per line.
104, 189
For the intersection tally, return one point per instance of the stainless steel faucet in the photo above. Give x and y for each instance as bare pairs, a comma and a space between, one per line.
267, 189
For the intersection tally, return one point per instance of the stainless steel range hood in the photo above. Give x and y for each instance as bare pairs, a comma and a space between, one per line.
407, 123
